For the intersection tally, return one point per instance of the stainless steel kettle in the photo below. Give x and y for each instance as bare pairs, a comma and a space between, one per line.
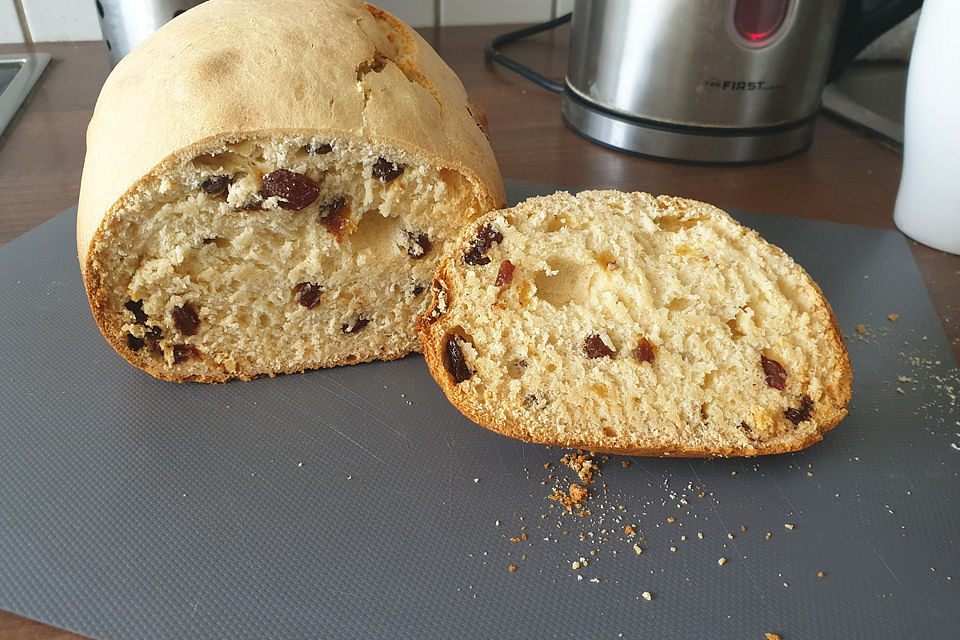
715, 81
126, 23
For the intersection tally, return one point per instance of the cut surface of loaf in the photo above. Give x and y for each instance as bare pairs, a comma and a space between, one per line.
268, 188
635, 324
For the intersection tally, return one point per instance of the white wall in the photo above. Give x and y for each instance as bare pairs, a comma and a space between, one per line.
48, 20
9, 23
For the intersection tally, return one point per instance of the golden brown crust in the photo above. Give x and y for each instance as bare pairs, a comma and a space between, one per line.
183, 374
229, 70
432, 330
480, 116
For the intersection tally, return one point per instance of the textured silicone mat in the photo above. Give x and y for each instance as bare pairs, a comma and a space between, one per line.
356, 503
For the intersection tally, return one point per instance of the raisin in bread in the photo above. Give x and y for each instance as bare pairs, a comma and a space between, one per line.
634, 324
269, 185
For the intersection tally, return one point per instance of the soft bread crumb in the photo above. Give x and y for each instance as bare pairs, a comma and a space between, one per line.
242, 273
704, 340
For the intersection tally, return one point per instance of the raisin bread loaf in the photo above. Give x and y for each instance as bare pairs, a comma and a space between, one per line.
634, 324
269, 185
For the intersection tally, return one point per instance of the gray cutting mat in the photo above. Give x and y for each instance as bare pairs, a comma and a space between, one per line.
356, 503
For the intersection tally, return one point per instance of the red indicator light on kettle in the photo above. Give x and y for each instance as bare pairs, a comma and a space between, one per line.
758, 20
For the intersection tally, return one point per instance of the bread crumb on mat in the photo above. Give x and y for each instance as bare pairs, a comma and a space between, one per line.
570, 498
582, 464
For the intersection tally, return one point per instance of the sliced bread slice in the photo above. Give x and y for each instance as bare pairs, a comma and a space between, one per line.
634, 324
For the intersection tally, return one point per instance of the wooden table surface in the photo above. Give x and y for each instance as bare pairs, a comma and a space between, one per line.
844, 177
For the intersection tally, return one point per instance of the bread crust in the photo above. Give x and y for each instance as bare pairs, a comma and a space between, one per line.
432, 329
230, 70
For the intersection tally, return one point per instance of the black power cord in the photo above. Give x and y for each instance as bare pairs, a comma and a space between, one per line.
493, 52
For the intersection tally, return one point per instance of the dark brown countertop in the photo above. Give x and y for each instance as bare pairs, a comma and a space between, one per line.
844, 176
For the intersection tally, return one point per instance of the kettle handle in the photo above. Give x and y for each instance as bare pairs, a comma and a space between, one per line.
858, 28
